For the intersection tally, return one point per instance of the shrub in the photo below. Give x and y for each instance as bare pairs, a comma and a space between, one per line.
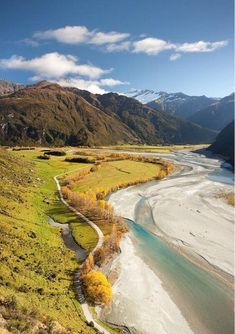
97, 287
23, 148
57, 153
44, 157
81, 160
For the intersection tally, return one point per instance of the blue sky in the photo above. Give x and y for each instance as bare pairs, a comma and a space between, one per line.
108, 45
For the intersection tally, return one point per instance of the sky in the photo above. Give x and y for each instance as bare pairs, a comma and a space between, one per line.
120, 45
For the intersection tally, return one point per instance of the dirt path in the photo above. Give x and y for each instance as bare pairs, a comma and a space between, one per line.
84, 305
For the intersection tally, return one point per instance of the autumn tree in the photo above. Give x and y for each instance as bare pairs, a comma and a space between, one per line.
97, 287
87, 266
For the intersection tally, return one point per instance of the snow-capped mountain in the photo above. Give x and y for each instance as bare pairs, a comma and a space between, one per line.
178, 104
145, 95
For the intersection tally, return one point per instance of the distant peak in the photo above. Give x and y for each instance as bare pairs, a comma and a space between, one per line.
45, 83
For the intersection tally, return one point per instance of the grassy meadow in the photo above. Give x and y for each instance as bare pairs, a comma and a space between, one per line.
36, 267
112, 174
54, 208
154, 148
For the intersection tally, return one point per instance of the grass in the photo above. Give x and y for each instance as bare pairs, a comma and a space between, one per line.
84, 235
46, 170
229, 197
154, 148
111, 175
115, 173
36, 267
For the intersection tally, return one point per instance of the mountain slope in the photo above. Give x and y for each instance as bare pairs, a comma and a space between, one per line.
49, 114
36, 267
217, 115
224, 143
179, 104
150, 125
8, 87
144, 96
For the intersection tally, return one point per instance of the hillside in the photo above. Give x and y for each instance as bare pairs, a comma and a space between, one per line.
36, 267
224, 143
217, 115
151, 126
179, 104
49, 114
46, 114
8, 87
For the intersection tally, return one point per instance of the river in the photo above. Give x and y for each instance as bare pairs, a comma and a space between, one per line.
176, 265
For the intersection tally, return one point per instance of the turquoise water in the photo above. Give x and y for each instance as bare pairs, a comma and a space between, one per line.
204, 296
204, 300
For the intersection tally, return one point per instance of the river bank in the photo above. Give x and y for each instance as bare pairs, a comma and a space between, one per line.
170, 208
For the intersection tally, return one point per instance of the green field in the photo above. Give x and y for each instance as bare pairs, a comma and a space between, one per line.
153, 148
112, 174
46, 170
36, 267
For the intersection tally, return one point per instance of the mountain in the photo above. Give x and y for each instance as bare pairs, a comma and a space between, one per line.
179, 104
144, 96
8, 87
151, 126
224, 143
217, 115
48, 114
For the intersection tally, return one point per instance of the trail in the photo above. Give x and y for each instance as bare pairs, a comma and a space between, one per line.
86, 311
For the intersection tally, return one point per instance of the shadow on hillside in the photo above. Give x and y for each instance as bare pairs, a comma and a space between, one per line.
209, 154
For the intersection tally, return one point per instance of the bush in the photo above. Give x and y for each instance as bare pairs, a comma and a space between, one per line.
23, 148
57, 153
44, 157
97, 287
81, 159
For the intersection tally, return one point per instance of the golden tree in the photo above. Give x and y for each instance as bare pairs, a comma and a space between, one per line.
97, 287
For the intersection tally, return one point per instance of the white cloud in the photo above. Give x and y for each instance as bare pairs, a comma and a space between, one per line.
201, 46
113, 41
124, 46
80, 34
63, 69
108, 37
151, 46
93, 86
175, 56
112, 82
68, 34
52, 65
90, 85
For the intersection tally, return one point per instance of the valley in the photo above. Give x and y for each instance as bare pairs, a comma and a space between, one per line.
40, 273
152, 242
117, 167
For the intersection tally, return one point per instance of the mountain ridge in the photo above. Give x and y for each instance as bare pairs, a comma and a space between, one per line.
224, 143
217, 115
180, 104
46, 113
